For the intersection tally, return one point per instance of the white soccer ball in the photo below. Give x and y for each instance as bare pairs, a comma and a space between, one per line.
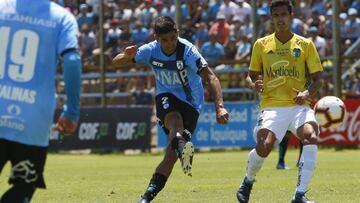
329, 112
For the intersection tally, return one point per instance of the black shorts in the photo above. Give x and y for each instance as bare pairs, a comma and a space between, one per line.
27, 162
167, 102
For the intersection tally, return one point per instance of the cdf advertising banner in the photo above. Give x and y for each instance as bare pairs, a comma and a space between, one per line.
237, 133
111, 128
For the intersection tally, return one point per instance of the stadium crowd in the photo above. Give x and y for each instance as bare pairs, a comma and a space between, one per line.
221, 30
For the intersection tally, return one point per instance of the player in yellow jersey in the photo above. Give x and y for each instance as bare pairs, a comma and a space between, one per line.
285, 70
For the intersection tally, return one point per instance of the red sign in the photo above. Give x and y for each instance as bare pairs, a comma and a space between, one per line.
348, 134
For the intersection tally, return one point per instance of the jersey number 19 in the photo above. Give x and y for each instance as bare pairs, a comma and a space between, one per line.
22, 54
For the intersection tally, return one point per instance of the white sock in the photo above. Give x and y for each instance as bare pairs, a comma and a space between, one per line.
254, 164
306, 167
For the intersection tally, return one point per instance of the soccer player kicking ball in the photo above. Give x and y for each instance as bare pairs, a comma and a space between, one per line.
33, 36
285, 70
179, 71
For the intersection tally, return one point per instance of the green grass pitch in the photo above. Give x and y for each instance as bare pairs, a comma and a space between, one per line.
216, 177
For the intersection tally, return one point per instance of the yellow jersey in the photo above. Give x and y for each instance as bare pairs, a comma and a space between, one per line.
284, 67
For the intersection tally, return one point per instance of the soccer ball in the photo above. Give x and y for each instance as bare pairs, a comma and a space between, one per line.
330, 112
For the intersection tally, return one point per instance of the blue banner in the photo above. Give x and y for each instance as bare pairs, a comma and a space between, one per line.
237, 133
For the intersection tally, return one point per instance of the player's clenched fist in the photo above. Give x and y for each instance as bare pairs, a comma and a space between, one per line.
222, 116
130, 52
259, 84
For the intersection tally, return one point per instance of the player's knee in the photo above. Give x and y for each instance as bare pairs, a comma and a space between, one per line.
309, 136
310, 140
308, 133
263, 149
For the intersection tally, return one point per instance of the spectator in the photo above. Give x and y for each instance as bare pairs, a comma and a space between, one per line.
109, 8
213, 51
342, 19
146, 13
140, 34
168, 9
243, 11
328, 24
187, 31
314, 20
228, 8
352, 26
122, 13
235, 28
319, 5
319, 42
247, 28
159, 5
201, 35
140, 96
114, 32
230, 49
244, 49
262, 20
221, 28
356, 4
297, 26
85, 17
93, 6
191, 9
125, 34
352, 87
214, 9
204, 12
87, 42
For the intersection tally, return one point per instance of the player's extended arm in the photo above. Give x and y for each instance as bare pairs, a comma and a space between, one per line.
67, 122
126, 57
210, 79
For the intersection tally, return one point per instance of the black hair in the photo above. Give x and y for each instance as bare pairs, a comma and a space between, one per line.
278, 3
164, 24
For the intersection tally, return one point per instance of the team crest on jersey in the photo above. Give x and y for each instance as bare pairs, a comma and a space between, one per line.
296, 52
179, 65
